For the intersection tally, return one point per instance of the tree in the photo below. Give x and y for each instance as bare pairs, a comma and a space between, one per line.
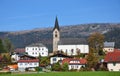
65, 67
92, 59
2, 50
44, 61
96, 41
56, 67
8, 45
78, 51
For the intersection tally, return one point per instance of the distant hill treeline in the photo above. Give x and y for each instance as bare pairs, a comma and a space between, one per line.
72, 34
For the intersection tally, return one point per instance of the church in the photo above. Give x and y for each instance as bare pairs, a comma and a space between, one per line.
68, 49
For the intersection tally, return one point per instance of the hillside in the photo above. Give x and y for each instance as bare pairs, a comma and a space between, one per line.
72, 34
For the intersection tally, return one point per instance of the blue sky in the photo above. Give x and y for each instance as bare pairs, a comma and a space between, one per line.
16, 15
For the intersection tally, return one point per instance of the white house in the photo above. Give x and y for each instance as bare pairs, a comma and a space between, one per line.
37, 50
27, 61
108, 47
73, 49
57, 58
113, 61
17, 53
75, 63
15, 57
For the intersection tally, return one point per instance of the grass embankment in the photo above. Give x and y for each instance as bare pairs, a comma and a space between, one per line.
68, 74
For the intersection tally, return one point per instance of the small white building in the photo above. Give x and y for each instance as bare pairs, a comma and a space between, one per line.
15, 57
37, 50
57, 58
113, 61
27, 61
75, 63
108, 47
73, 49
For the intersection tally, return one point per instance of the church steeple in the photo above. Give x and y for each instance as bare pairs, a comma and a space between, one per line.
56, 36
56, 26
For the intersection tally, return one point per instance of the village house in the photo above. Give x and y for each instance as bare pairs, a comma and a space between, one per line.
15, 56
37, 50
75, 63
58, 58
108, 47
113, 60
26, 62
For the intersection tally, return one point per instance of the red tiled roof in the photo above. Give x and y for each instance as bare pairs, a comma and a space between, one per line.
32, 60
116, 50
112, 57
74, 61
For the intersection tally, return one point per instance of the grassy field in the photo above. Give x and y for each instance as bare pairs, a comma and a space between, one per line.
67, 74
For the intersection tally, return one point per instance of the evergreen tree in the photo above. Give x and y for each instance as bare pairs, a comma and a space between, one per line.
65, 67
8, 45
2, 50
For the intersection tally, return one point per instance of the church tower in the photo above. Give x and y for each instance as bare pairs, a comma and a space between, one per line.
56, 36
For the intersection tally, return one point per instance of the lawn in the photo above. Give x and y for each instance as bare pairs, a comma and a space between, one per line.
68, 74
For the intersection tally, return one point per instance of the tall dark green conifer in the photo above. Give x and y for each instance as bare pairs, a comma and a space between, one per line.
2, 50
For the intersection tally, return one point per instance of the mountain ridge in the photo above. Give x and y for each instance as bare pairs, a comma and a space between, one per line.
80, 32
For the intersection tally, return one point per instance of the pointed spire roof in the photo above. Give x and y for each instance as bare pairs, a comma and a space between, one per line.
56, 26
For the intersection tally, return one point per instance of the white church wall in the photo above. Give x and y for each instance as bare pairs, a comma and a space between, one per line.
72, 49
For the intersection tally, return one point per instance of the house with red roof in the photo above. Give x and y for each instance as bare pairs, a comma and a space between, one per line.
58, 58
113, 60
75, 63
27, 61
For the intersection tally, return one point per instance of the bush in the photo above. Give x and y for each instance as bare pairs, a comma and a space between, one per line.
56, 67
65, 67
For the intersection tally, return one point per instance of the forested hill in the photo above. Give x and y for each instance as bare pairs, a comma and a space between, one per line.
71, 34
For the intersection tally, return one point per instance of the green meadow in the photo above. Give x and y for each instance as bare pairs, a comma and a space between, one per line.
66, 74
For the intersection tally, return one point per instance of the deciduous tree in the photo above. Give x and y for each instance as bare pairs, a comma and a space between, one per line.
96, 41
92, 59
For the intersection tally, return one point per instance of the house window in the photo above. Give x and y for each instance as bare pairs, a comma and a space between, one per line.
72, 51
66, 51
111, 69
42, 48
35, 48
33, 53
30, 63
36, 53
72, 67
27, 48
114, 64
35, 63
42, 53
20, 63
25, 63
54, 59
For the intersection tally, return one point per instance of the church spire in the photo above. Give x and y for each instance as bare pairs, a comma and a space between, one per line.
56, 26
